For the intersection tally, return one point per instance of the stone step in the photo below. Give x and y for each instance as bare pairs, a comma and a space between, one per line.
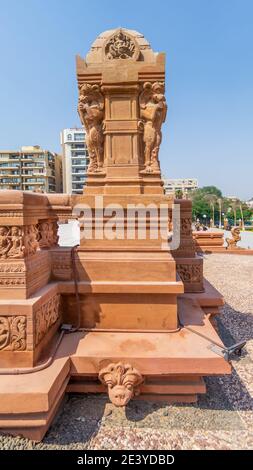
29, 402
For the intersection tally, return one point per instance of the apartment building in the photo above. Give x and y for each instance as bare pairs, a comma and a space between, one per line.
182, 184
31, 168
75, 160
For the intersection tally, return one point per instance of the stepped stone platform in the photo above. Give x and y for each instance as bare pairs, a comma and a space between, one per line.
213, 242
127, 312
173, 364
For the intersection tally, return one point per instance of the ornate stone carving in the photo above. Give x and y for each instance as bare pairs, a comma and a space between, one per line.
9, 282
17, 249
18, 242
153, 109
186, 226
12, 268
190, 273
48, 234
46, 316
120, 46
31, 239
91, 112
13, 333
5, 242
122, 380
236, 237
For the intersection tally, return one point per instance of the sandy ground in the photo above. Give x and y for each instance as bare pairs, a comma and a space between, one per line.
222, 419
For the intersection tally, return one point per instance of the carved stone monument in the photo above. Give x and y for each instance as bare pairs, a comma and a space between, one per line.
138, 311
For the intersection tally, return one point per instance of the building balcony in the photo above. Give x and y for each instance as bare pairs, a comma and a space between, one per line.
9, 167
9, 175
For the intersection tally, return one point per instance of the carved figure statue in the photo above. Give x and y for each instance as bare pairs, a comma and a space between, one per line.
236, 237
91, 112
120, 46
17, 246
122, 381
5, 242
31, 240
153, 109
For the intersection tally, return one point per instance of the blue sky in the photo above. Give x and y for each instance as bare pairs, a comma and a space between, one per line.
209, 82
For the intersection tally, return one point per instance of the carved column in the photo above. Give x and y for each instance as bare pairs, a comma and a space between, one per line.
189, 266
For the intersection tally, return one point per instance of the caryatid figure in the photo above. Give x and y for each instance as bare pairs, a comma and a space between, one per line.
153, 109
91, 112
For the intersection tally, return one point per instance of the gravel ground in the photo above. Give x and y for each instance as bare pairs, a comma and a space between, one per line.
222, 419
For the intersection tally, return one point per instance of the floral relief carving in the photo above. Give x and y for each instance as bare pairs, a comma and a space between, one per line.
13, 333
190, 272
91, 112
123, 382
153, 110
46, 316
186, 226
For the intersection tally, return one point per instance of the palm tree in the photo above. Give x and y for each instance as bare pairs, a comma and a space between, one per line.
219, 200
212, 200
240, 207
234, 204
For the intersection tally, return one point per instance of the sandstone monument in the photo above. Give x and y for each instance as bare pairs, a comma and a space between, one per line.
124, 315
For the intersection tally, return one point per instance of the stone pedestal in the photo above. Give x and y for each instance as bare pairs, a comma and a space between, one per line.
145, 310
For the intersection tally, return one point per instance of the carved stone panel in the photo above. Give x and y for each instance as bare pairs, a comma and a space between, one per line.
48, 234
121, 46
190, 273
186, 226
13, 333
46, 316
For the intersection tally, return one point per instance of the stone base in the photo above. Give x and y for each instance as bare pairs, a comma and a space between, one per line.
29, 326
171, 364
222, 249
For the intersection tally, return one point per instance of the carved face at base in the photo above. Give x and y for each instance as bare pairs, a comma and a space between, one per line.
120, 395
123, 382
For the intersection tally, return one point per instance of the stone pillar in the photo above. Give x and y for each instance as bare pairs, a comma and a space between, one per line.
189, 266
122, 106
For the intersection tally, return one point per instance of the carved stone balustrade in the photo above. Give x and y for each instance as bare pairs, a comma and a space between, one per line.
30, 306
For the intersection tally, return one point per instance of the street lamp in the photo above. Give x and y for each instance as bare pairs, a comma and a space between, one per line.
204, 217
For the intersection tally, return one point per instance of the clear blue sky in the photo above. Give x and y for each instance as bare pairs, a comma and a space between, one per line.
209, 48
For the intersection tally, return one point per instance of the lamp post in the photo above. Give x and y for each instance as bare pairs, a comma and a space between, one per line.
204, 217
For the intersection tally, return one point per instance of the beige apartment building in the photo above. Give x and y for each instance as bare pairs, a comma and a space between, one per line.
31, 169
75, 160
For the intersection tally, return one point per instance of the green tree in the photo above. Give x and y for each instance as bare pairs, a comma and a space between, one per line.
210, 202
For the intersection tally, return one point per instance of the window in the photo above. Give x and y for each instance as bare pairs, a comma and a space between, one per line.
69, 136
79, 136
